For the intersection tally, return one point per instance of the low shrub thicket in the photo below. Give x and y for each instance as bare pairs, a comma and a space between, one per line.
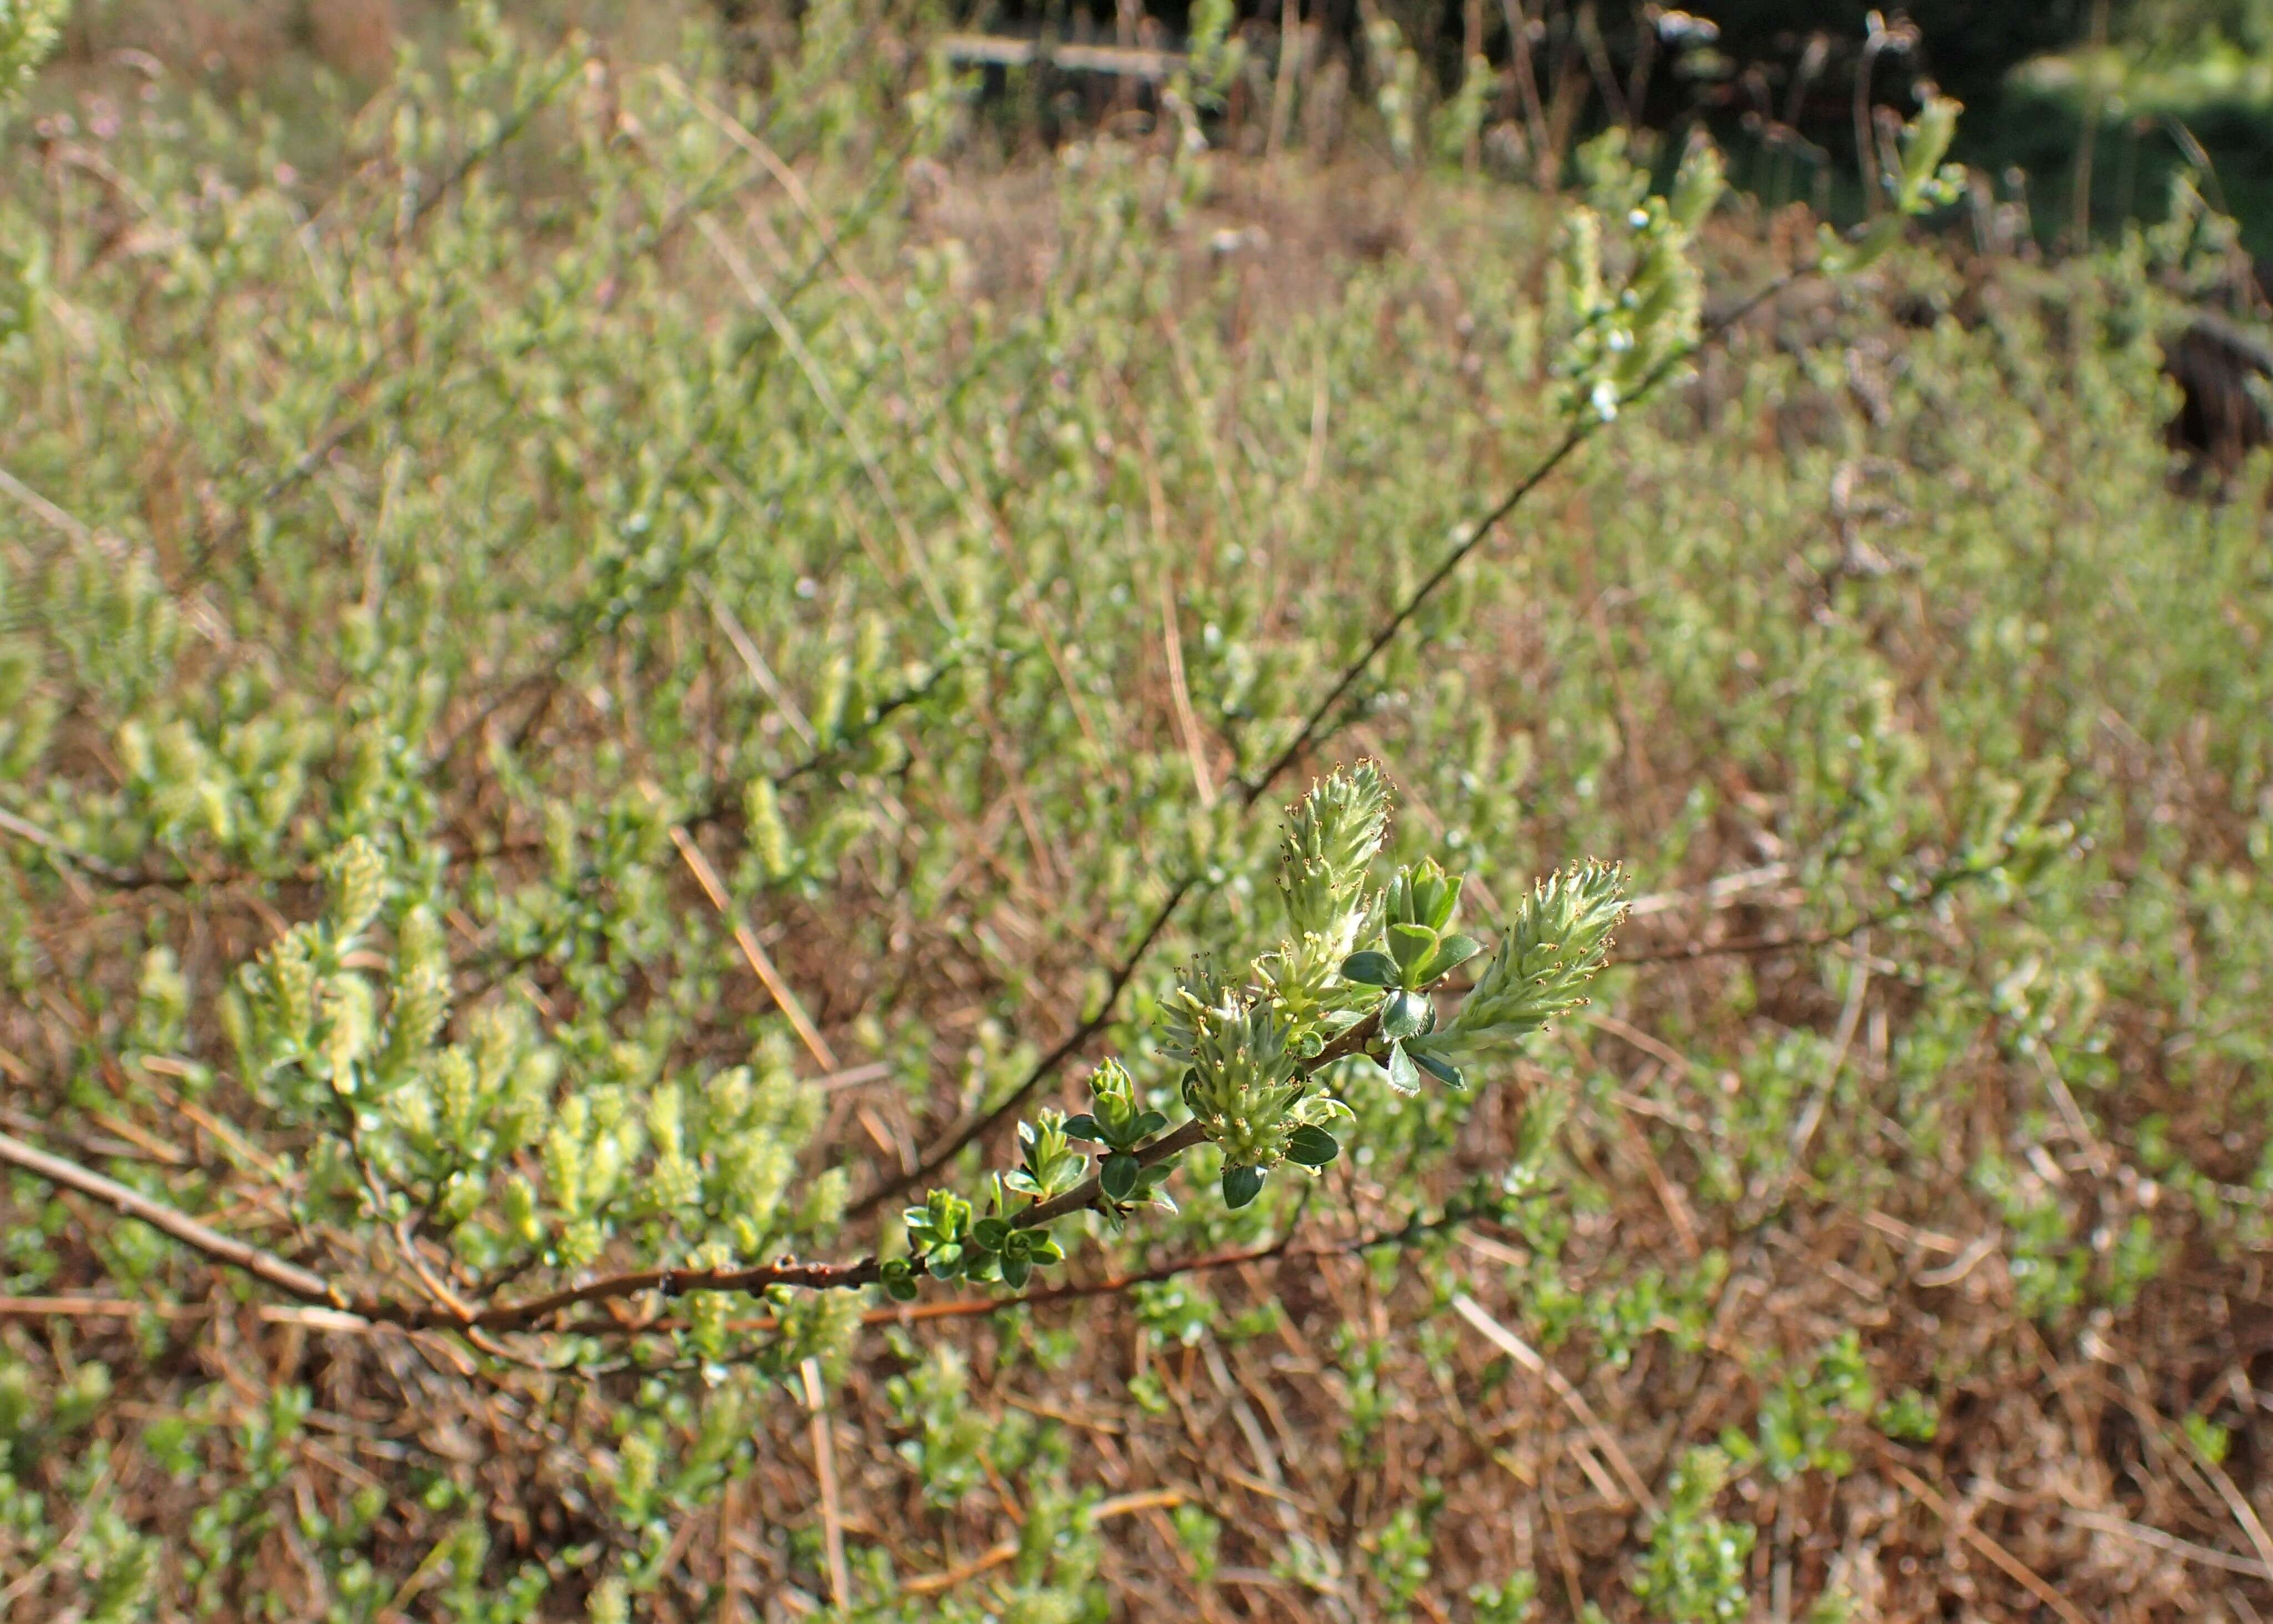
652, 677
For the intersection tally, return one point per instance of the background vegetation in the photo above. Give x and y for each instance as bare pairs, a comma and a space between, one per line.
607, 648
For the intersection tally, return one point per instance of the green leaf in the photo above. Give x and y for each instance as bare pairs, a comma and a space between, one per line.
1443, 1070
945, 1262
1311, 1146
1083, 1127
1241, 1186
1411, 945
1452, 952
1118, 1177
1404, 1076
1370, 968
991, 1233
1016, 1271
1403, 1015
1147, 1124
898, 1280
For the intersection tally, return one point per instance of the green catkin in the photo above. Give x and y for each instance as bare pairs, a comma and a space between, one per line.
358, 888
350, 1024
519, 1205
419, 995
566, 1154
457, 1092
291, 978
769, 835
828, 704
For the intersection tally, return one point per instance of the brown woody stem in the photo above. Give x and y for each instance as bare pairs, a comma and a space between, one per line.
309, 1286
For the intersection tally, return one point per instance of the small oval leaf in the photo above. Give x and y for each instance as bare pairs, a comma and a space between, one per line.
1241, 1186
1118, 1177
1411, 945
1403, 1015
1370, 968
1311, 1146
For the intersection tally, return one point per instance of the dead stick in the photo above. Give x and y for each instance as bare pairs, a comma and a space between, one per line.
778, 989
2014, 1566
1118, 1506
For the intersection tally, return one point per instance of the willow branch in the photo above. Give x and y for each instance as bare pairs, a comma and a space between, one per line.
309, 1286
669, 1281
1579, 434
1414, 1228
1313, 730
1085, 1193
1353, 1041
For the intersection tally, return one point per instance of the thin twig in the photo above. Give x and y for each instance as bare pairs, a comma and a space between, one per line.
1112, 1285
1044, 1068
309, 1286
1413, 1228
669, 1281
101, 868
760, 674
514, 123
1577, 435
1944, 883
89, 1504
2245, 1515
264, 1266
2155, 1538
1188, 721
1811, 1116
17, 489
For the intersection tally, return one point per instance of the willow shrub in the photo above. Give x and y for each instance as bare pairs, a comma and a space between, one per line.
603, 717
